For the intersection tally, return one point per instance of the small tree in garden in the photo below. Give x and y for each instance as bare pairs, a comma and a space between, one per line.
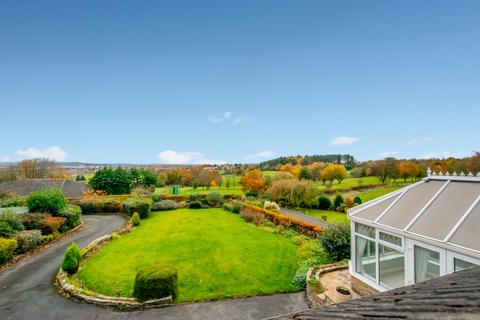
215, 199
357, 200
324, 203
338, 201
71, 259
135, 220
336, 241
49, 200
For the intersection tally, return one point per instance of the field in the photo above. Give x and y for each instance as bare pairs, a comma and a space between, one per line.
216, 253
370, 194
331, 216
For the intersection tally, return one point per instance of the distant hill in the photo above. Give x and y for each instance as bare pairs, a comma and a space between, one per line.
345, 159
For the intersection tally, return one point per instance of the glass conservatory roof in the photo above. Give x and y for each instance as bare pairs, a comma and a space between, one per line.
442, 208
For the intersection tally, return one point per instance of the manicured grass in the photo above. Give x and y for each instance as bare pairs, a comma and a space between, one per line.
217, 255
270, 173
200, 190
349, 183
332, 216
373, 193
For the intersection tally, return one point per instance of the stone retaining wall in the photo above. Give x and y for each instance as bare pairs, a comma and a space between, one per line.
70, 289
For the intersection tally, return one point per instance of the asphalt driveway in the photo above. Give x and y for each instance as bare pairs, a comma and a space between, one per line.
26, 290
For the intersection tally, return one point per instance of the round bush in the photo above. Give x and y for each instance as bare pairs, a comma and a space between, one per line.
49, 200
155, 283
324, 203
195, 205
357, 200
135, 220
72, 213
6, 230
336, 241
143, 207
215, 199
165, 205
7, 249
28, 240
71, 259
13, 219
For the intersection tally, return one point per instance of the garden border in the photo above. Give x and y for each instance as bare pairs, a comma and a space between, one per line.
71, 290
39, 249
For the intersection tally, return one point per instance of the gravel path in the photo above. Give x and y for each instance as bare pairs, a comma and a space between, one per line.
304, 217
26, 290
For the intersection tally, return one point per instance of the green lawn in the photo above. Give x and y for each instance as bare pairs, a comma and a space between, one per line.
201, 190
348, 183
332, 216
216, 253
370, 194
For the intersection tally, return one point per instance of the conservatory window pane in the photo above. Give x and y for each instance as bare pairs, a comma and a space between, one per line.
365, 230
460, 265
392, 268
365, 257
427, 264
391, 238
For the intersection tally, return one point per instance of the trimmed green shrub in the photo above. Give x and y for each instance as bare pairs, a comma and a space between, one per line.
6, 230
49, 200
71, 259
12, 219
165, 205
252, 194
310, 249
336, 241
143, 207
7, 249
135, 220
72, 213
155, 283
233, 206
195, 205
108, 206
338, 201
155, 197
357, 200
215, 199
324, 203
28, 240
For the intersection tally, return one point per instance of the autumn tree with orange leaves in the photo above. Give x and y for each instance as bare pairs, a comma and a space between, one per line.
408, 169
253, 180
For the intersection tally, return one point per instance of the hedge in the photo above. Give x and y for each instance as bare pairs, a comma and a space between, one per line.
49, 200
165, 205
28, 240
156, 282
143, 207
72, 214
300, 226
7, 249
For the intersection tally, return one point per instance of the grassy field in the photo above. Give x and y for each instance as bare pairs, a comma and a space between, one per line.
332, 216
349, 183
370, 194
216, 253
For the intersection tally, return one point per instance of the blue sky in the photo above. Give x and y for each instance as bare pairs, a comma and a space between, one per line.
238, 81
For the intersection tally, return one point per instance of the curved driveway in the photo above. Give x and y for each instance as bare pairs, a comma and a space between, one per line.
26, 290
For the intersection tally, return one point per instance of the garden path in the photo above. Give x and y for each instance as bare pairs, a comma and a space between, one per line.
304, 217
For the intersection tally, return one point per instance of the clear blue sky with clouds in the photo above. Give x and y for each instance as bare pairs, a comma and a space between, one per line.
238, 81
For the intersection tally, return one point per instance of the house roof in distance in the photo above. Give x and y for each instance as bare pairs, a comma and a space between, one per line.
442, 208
23, 187
454, 296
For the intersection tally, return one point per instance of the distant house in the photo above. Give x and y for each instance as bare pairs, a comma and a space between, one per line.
417, 233
23, 187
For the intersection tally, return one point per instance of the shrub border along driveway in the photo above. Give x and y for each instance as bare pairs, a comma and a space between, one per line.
39, 249
70, 289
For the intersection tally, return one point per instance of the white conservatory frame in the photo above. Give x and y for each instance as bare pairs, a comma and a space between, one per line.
446, 250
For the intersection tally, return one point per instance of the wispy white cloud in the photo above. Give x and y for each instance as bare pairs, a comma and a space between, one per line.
261, 154
241, 120
343, 141
53, 152
417, 141
216, 119
188, 157
429, 155
388, 153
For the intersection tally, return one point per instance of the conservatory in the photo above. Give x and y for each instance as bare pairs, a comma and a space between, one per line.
420, 232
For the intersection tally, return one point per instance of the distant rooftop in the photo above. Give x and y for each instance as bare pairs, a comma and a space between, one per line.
443, 208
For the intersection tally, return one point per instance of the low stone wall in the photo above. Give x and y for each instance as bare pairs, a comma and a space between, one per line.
314, 297
70, 289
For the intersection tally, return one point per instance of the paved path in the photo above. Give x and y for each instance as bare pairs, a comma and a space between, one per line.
26, 291
304, 217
